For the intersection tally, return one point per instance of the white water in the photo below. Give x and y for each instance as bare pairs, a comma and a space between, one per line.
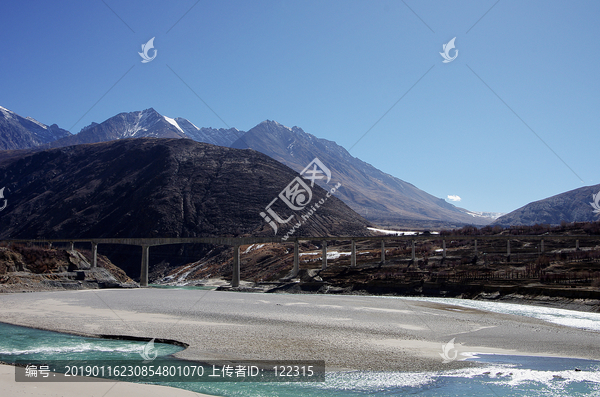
569, 318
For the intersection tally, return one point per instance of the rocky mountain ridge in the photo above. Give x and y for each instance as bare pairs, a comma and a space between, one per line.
376, 195
18, 132
573, 206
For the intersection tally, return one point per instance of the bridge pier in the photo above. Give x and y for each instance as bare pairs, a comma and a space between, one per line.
324, 255
235, 278
508, 250
444, 249
353, 254
576, 245
296, 268
542, 246
382, 251
475, 247
72, 246
144, 271
413, 257
94, 254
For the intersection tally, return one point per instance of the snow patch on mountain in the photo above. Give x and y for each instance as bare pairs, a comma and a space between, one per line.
7, 113
488, 215
173, 122
44, 126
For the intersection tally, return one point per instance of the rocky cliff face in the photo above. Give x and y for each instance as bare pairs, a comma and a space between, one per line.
33, 268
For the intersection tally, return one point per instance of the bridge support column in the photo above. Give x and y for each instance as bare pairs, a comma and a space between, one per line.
542, 246
382, 251
72, 246
475, 247
144, 270
353, 254
508, 250
576, 245
94, 254
444, 249
324, 254
296, 268
413, 257
235, 278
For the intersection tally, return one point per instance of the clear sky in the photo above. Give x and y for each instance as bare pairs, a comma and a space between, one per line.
513, 119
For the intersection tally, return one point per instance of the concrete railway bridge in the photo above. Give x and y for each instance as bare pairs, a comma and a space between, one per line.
236, 242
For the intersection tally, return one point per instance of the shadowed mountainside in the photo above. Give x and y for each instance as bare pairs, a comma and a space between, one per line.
154, 188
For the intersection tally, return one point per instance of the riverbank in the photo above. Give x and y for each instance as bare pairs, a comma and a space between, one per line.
348, 332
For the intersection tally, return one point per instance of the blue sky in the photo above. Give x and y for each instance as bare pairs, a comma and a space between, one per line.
334, 68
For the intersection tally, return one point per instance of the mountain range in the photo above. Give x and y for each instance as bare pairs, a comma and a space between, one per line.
147, 123
377, 196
